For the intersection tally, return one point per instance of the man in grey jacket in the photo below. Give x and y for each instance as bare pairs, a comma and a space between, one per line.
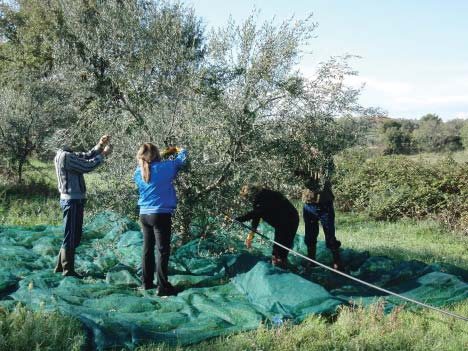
70, 167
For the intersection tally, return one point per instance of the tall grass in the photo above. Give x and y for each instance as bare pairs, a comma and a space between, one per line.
31, 203
355, 329
25, 330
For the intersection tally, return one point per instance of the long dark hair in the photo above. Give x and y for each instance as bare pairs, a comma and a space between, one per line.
147, 153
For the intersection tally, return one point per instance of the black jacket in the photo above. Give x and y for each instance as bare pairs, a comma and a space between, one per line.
273, 208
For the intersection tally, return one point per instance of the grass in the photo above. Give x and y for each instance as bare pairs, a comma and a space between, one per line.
425, 240
31, 203
354, 329
459, 156
25, 330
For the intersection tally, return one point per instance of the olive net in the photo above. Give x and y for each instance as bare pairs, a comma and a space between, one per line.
225, 287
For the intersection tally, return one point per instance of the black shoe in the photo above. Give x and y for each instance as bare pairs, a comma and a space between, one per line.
279, 262
337, 264
168, 291
311, 251
72, 274
310, 265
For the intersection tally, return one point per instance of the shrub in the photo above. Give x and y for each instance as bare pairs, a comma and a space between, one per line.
392, 187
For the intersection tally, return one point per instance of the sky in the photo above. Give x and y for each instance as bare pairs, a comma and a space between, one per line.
413, 54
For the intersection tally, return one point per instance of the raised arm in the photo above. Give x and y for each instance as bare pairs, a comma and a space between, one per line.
181, 159
82, 165
95, 150
88, 154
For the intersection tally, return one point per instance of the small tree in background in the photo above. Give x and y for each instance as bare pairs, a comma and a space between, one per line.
433, 135
396, 138
452, 131
27, 118
31, 104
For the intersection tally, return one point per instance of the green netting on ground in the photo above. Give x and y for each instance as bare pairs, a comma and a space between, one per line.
226, 288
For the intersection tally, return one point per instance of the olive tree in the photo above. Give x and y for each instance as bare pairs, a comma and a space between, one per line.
327, 117
147, 71
131, 67
248, 74
146, 74
27, 118
133, 57
31, 105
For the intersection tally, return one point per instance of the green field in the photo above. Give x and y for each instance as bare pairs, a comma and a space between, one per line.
350, 329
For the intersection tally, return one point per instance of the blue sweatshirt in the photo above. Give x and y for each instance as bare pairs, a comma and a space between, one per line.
158, 195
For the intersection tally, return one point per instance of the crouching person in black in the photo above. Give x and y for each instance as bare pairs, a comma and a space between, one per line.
277, 211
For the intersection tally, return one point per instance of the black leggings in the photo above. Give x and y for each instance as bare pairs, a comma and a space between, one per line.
156, 230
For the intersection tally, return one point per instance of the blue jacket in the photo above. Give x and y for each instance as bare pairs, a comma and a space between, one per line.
158, 195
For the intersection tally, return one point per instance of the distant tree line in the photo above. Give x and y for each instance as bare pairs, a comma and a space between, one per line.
428, 134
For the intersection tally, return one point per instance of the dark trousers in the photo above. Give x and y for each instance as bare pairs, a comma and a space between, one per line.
156, 231
73, 211
325, 214
284, 235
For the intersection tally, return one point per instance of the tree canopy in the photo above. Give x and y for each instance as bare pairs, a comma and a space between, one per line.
149, 71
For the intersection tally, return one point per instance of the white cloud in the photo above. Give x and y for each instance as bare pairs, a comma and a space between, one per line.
461, 115
433, 100
442, 90
385, 86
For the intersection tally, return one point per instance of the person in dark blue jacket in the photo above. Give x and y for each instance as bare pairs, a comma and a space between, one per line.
318, 198
158, 200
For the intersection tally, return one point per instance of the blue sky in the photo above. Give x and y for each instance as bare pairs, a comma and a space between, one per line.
414, 54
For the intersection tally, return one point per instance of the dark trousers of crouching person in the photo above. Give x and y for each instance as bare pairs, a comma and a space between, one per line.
284, 235
156, 230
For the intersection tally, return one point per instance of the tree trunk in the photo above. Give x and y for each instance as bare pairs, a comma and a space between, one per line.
20, 171
186, 214
185, 222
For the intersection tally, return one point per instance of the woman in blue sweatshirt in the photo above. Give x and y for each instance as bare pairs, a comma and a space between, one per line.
158, 200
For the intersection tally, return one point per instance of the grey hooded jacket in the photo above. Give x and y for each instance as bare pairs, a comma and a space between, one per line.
70, 167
